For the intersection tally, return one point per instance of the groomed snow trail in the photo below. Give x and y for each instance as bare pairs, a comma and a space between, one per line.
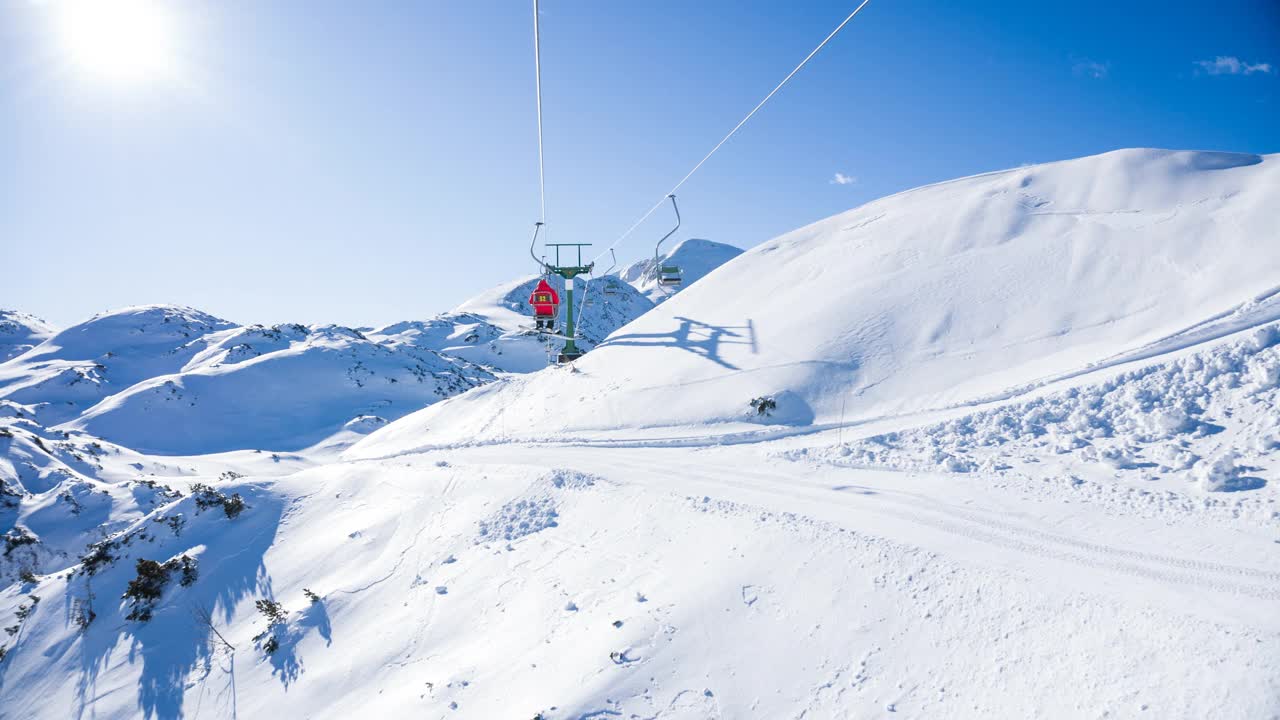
967, 520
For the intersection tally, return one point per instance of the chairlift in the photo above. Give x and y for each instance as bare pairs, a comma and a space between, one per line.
669, 276
610, 283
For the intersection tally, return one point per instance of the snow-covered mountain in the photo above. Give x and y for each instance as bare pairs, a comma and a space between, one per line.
279, 388
948, 295
88, 362
495, 328
1004, 446
174, 380
694, 257
19, 332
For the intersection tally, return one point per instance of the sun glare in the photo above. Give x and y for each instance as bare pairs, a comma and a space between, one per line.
119, 40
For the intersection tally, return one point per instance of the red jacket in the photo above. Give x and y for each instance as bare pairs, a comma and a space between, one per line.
544, 299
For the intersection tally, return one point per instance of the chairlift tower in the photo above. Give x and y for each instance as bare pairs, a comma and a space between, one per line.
570, 351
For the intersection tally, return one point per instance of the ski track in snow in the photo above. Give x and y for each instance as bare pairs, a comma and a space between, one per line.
920, 510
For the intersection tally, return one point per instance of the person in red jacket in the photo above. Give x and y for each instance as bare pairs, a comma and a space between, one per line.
546, 302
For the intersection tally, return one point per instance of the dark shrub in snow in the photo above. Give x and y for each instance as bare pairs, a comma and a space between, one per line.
148, 586
206, 497
763, 405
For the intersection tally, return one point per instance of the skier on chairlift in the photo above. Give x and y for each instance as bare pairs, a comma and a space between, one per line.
546, 303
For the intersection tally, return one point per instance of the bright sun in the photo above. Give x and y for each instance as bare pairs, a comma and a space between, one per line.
118, 40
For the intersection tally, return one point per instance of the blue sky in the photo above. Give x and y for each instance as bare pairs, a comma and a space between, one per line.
366, 162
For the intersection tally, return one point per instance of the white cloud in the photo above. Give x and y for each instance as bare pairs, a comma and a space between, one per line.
1231, 65
1091, 68
842, 179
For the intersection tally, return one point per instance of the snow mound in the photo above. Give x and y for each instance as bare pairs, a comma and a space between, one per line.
695, 258
1207, 420
19, 332
943, 296
282, 388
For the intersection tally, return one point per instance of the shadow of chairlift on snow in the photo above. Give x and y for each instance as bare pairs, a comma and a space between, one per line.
699, 338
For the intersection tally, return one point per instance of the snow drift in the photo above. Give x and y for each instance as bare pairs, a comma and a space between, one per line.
945, 295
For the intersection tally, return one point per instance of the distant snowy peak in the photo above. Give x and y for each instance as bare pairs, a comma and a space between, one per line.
283, 387
601, 304
142, 328
77, 367
694, 257
494, 328
441, 332
172, 379
19, 332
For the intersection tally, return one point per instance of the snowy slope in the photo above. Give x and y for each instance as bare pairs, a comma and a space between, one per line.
494, 328
651, 583
942, 296
79, 366
174, 380
1055, 495
694, 257
278, 388
19, 332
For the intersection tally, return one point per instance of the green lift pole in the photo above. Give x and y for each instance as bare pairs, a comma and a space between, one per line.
570, 352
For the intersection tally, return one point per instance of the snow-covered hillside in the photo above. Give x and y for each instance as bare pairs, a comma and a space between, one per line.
694, 257
280, 388
19, 332
947, 295
85, 363
1002, 447
174, 380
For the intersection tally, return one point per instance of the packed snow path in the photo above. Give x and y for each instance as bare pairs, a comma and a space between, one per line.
971, 520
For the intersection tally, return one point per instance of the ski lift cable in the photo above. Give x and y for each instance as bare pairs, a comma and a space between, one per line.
537, 79
735, 129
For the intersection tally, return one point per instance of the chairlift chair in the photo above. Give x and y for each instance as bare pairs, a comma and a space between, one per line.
669, 276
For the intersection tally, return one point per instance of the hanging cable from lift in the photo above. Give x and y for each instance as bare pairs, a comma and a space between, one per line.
736, 128
546, 312
669, 276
